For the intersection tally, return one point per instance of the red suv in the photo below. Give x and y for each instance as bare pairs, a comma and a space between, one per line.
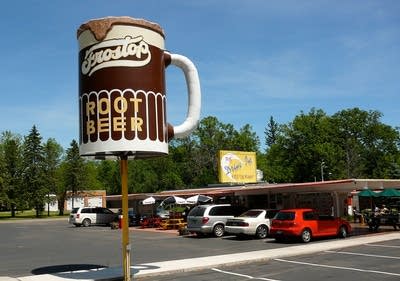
307, 224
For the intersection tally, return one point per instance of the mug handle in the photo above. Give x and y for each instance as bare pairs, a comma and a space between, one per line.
194, 96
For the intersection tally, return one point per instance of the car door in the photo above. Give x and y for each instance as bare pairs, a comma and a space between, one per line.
97, 217
108, 216
310, 220
327, 225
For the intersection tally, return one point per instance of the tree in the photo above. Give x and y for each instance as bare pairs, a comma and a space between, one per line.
11, 165
168, 173
301, 148
142, 177
52, 159
211, 136
184, 153
33, 171
108, 173
271, 132
3, 182
246, 140
370, 147
351, 143
75, 173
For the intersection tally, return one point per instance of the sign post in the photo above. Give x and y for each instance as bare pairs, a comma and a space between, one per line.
122, 97
126, 247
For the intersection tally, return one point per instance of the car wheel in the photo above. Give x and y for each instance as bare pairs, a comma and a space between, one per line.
218, 230
306, 235
342, 232
86, 222
262, 232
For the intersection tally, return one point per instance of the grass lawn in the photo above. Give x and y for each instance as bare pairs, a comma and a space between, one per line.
29, 214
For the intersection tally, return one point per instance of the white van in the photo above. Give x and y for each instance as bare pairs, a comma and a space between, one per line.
88, 216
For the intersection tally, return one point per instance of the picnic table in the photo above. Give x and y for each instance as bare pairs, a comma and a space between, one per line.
175, 223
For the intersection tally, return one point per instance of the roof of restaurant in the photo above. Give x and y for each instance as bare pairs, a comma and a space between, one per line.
345, 185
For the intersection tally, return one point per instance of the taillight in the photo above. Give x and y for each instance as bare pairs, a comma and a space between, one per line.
77, 216
204, 220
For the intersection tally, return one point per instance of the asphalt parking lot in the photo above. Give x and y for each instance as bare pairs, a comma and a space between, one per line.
43, 247
374, 261
34, 246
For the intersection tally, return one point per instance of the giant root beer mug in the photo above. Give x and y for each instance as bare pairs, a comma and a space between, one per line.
122, 99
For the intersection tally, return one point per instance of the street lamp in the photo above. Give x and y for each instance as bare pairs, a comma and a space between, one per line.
322, 170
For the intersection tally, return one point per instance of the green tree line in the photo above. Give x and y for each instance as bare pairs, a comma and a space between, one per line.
352, 143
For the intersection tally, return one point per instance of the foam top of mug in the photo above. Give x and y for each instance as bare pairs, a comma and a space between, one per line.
100, 27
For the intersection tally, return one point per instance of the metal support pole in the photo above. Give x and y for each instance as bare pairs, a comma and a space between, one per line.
125, 225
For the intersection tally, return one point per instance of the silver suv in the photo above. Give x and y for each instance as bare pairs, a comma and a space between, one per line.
206, 219
87, 216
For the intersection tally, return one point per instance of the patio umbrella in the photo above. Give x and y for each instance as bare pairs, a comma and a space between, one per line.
173, 200
199, 199
367, 193
149, 201
390, 192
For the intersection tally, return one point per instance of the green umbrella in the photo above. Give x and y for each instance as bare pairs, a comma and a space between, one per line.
367, 193
390, 192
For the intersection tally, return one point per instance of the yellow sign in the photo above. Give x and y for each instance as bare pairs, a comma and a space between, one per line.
237, 166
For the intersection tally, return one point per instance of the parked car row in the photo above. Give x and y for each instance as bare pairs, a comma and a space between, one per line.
305, 224
218, 220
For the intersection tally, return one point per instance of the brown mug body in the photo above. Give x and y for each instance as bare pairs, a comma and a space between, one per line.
122, 91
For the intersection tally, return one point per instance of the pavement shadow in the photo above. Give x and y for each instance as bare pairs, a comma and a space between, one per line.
89, 271
65, 268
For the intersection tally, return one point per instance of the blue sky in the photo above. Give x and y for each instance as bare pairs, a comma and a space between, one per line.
255, 59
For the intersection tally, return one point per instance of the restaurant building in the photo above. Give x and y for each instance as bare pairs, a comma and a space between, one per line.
335, 197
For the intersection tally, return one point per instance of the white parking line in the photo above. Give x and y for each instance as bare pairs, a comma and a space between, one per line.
365, 255
383, 246
340, 267
242, 275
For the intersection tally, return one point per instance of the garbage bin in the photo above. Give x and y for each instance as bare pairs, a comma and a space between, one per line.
120, 221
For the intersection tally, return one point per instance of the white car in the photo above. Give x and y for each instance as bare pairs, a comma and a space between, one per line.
254, 222
87, 216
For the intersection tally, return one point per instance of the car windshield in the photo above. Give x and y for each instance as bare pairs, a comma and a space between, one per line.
285, 216
251, 213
